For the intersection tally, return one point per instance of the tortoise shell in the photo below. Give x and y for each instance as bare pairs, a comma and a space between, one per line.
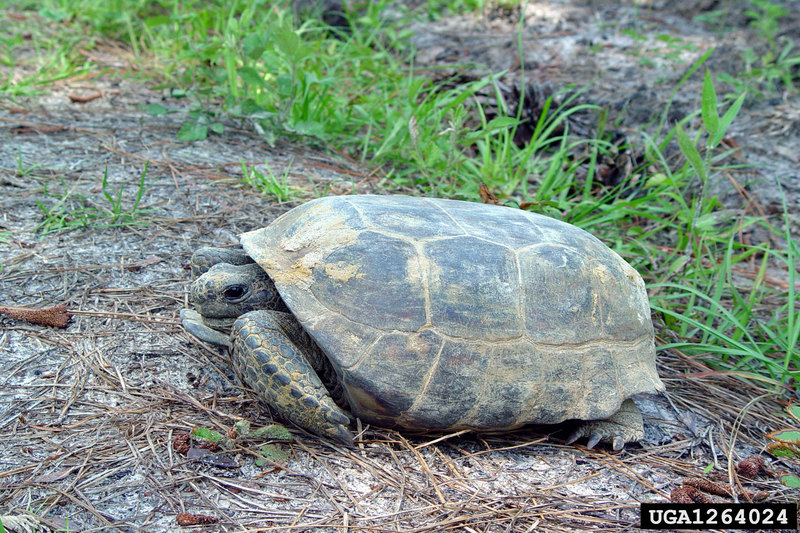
443, 314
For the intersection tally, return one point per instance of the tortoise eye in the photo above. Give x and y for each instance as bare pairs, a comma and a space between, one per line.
234, 292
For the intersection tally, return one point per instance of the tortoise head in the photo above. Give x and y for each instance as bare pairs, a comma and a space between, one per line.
229, 291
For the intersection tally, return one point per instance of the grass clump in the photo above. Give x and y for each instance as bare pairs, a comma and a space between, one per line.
774, 66
37, 49
74, 210
270, 185
711, 313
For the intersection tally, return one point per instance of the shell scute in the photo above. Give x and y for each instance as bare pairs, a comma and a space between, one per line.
473, 289
453, 389
383, 292
391, 373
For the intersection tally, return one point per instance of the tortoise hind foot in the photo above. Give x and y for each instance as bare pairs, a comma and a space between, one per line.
626, 425
267, 360
204, 258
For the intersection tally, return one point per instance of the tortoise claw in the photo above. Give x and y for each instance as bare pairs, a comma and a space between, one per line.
574, 436
338, 418
594, 438
341, 434
337, 427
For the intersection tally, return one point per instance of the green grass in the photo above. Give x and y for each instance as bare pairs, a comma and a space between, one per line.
74, 210
359, 93
774, 65
37, 50
270, 185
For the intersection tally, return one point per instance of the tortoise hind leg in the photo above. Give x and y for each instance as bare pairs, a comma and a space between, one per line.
268, 361
626, 425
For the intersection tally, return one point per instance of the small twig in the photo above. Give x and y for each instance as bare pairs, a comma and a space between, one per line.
427, 471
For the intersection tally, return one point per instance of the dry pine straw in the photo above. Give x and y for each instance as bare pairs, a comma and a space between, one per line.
83, 429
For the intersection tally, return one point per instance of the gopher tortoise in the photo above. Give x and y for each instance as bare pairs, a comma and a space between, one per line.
430, 314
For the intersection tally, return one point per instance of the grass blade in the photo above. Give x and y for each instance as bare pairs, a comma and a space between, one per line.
708, 108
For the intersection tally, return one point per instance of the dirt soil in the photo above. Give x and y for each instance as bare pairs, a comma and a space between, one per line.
89, 414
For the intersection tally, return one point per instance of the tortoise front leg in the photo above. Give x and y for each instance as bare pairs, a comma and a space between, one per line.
268, 361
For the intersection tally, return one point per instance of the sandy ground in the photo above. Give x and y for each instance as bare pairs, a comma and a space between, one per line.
89, 414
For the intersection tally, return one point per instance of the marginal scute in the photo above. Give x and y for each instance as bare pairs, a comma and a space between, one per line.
391, 373
315, 225
297, 242
508, 383
636, 368
453, 389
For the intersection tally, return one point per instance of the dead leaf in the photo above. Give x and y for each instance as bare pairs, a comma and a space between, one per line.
487, 196
206, 456
189, 519
146, 262
53, 476
82, 99
38, 129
